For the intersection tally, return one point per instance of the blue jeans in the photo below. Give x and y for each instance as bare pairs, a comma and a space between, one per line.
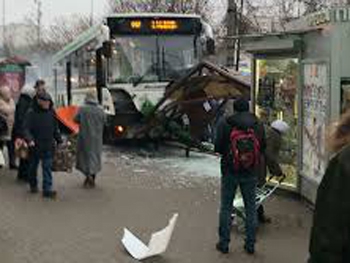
46, 162
229, 184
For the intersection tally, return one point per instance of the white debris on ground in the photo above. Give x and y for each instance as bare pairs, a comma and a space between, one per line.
198, 164
176, 169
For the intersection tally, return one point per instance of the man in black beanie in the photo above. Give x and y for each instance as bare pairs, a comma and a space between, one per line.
240, 140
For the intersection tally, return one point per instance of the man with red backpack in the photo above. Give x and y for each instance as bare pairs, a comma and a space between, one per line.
240, 140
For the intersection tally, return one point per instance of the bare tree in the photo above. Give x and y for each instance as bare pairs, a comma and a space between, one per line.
61, 32
312, 6
202, 7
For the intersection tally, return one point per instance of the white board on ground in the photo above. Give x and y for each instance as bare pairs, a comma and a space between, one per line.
157, 245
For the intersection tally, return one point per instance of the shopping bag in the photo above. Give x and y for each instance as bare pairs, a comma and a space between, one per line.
21, 149
2, 159
64, 157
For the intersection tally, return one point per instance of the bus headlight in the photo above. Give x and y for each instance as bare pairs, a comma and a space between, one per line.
119, 130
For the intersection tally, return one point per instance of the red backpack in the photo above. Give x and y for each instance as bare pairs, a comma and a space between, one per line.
245, 148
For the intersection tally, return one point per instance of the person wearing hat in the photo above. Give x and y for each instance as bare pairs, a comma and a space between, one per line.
39, 86
42, 133
274, 140
23, 105
246, 179
91, 120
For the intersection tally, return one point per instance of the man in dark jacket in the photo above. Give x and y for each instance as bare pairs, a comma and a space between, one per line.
41, 133
23, 105
231, 179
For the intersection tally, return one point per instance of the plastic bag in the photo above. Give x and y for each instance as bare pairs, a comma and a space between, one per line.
2, 159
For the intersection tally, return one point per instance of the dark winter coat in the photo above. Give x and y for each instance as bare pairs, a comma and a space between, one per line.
23, 105
91, 119
330, 235
270, 160
242, 120
41, 126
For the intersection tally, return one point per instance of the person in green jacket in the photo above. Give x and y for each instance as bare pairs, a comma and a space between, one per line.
330, 234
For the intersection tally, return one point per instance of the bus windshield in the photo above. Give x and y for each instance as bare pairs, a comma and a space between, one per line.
145, 59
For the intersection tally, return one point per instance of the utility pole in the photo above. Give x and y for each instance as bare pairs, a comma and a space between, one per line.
231, 31
38, 4
4, 23
92, 13
239, 31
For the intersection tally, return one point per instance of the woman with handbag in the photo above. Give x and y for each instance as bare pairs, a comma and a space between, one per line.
23, 105
7, 114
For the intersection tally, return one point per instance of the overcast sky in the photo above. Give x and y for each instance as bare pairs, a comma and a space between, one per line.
16, 10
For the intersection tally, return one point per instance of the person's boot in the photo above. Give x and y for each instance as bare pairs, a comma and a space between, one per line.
89, 182
50, 194
265, 220
13, 167
249, 249
34, 190
261, 216
222, 248
92, 183
86, 182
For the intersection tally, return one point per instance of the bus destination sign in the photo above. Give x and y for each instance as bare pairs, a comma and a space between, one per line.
129, 26
155, 25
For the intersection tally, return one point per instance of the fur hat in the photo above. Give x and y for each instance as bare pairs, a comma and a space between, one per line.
91, 97
280, 126
28, 90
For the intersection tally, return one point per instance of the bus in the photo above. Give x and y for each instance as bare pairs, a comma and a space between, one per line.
141, 55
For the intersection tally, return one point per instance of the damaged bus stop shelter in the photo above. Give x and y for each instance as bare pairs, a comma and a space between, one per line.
192, 105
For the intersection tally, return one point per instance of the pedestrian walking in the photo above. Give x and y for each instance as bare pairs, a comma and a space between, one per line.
271, 159
91, 119
39, 86
240, 140
42, 134
330, 234
22, 107
7, 114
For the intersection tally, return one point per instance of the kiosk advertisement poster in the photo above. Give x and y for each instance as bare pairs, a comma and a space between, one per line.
315, 103
13, 77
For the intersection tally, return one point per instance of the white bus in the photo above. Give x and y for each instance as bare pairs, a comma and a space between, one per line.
140, 55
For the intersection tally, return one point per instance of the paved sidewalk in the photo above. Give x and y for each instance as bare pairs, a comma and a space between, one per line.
85, 226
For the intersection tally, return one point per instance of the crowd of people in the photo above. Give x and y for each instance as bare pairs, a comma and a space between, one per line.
249, 150
31, 126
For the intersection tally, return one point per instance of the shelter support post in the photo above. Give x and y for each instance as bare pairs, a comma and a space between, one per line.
69, 82
100, 76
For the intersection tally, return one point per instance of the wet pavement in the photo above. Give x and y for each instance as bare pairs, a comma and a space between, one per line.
139, 190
